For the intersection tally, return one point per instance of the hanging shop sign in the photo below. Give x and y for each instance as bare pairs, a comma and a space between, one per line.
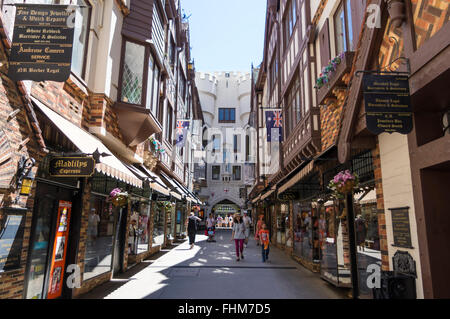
59, 250
388, 103
42, 43
12, 223
71, 166
288, 195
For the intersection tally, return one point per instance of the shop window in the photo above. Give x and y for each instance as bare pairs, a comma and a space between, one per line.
100, 236
138, 232
158, 226
306, 232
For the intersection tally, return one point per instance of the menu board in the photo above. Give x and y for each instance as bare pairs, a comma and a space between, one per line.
401, 227
42, 42
388, 103
12, 223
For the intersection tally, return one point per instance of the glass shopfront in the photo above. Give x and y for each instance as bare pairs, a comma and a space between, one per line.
367, 239
282, 228
306, 231
138, 229
159, 218
100, 237
332, 237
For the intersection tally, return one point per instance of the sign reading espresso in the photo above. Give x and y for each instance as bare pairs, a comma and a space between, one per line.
42, 42
387, 102
72, 167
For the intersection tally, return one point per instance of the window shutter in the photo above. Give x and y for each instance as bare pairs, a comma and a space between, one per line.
324, 40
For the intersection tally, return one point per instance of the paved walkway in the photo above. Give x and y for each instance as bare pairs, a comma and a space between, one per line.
210, 271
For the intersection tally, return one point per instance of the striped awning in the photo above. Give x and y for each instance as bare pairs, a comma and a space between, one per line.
267, 194
88, 144
294, 180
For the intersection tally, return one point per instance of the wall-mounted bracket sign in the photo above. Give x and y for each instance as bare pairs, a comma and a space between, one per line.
42, 42
388, 103
72, 166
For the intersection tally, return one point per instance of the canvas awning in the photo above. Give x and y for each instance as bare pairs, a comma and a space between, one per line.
175, 190
294, 180
88, 144
267, 194
155, 182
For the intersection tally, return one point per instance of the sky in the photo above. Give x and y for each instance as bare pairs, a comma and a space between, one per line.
226, 35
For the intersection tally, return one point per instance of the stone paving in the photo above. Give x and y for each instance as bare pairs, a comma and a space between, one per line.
210, 271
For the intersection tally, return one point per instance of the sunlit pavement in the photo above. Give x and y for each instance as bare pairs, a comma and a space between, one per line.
210, 271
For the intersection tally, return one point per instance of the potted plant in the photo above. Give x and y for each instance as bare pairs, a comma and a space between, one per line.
396, 10
343, 183
118, 198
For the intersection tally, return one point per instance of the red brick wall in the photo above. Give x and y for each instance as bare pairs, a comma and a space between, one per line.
429, 17
14, 132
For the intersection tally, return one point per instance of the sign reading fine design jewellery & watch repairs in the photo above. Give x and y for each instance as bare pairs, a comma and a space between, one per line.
71, 166
42, 43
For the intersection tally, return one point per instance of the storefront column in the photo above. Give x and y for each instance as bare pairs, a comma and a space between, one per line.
352, 244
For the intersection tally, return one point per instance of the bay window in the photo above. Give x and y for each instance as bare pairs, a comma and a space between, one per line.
140, 77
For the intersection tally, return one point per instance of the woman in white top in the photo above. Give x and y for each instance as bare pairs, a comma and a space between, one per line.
238, 235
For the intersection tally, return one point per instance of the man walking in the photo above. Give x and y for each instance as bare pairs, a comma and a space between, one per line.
247, 222
192, 228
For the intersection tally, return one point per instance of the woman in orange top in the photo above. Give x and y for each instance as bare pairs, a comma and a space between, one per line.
264, 240
258, 228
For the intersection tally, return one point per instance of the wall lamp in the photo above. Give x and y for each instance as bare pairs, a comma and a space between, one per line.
24, 176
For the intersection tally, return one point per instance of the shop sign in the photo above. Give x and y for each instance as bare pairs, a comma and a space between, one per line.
401, 227
388, 103
288, 195
42, 43
12, 223
71, 166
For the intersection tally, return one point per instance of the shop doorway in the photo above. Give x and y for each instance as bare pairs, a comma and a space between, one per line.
45, 227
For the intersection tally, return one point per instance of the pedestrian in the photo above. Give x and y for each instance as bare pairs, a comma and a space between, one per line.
219, 221
192, 228
230, 221
247, 221
264, 241
211, 228
238, 235
258, 228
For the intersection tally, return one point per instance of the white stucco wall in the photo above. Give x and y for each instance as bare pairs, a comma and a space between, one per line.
217, 90
398, 192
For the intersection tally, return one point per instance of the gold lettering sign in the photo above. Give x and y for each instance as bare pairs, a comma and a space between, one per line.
72, 167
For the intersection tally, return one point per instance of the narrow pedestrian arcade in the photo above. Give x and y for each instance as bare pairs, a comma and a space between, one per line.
210, 271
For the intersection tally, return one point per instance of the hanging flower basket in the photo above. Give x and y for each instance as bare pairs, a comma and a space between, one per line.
343, 183
118, 198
